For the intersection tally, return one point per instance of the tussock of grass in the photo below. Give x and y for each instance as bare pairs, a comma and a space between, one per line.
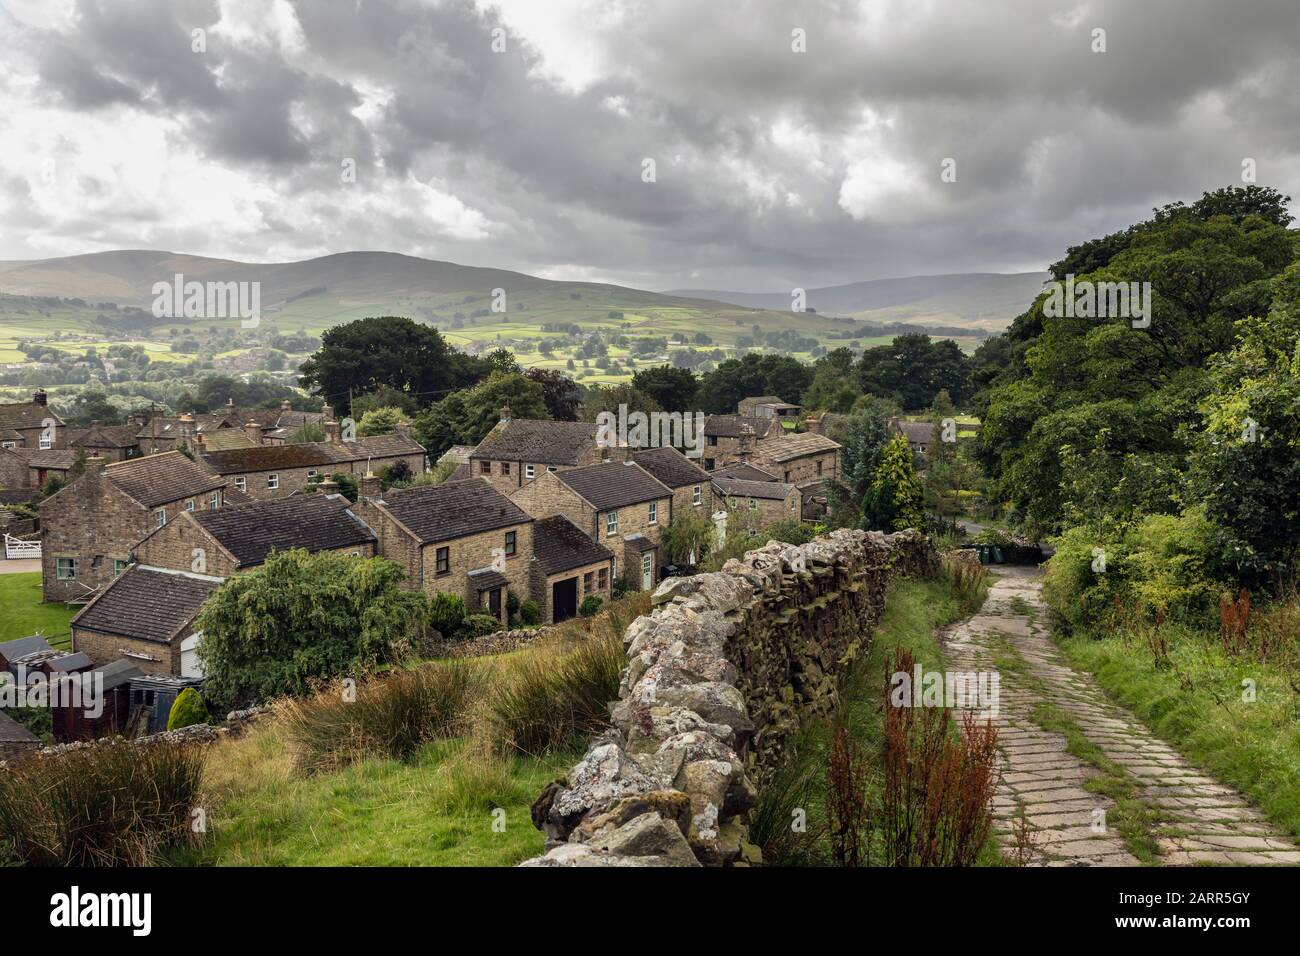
392, 715
111, 805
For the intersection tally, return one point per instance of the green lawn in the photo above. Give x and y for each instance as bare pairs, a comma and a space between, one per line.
22, 613
1194, 700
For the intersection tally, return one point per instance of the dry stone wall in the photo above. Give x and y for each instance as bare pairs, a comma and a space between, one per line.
720, 675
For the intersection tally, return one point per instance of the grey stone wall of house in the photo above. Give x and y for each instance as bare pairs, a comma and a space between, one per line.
720, 676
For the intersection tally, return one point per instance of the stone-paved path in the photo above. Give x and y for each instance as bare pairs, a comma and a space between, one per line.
1195, 818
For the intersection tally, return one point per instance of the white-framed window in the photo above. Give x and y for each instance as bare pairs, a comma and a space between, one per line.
529, 471
159, 517
611, 522
696, 495
311, 473
119, 565
753, 505
272, 482
9, 444
654, 512
241, 483
551, 468
65, 569
189, 504
214, 500
46, 441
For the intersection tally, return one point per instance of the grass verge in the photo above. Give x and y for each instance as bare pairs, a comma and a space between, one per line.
22, 614
1197, 699
798, 796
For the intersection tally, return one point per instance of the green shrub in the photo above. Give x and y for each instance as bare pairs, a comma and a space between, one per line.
300, 618
113, 804
393, 715
478, 625
529, 612
187, 709
590, 605
446, 614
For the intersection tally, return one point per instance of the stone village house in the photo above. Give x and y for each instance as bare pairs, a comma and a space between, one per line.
147, 615
89, 527
618, 504
757, 504
518, 450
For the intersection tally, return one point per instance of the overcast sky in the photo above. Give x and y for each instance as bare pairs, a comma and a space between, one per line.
774, 168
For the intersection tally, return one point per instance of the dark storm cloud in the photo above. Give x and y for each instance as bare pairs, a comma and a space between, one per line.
774, 168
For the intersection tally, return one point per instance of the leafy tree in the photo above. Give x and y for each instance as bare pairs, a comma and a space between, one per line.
387, 351
385, 397
687, 535
380, 421
673, 389
833, 387
893, 502
722, 389
862, 439
466, 417
913, 369
607, 398
304, 617
562, 394
310, 432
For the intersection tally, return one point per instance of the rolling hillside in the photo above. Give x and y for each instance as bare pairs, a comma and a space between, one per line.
977, 300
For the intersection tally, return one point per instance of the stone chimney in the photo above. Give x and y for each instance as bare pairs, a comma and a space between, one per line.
333, 433
746, 442
328, 486
505, 413
186, 427
230, 403
254, 432
286, 405
328, 411
39, 396
368, 488
402, 428
136, 419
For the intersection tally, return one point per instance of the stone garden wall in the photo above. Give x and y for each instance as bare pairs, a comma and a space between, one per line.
720, 675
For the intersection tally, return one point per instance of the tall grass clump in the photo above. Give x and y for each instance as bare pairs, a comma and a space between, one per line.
109, 805
557, 690
393, 715
969, 582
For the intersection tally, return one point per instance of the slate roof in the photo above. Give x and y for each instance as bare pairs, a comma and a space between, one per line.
103, 436
315, 522
744, 471
539, 442
113, 674
26, 415
51, 459
560, 545
789, 447
921, 433
728, 426
485, 579
12, 650
614, 484
671, 467
224, 438
452, 510
235, 461
12, 732
739, 488
157, 479
17, 496
150, 604
457, 453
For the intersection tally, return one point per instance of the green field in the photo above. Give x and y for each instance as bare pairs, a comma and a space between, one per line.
22, 614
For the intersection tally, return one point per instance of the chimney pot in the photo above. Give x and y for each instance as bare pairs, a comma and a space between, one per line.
505, 413
39, 396
333, 433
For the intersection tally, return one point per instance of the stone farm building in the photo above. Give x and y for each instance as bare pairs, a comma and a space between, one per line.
757, 504
147, 615
89, 527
